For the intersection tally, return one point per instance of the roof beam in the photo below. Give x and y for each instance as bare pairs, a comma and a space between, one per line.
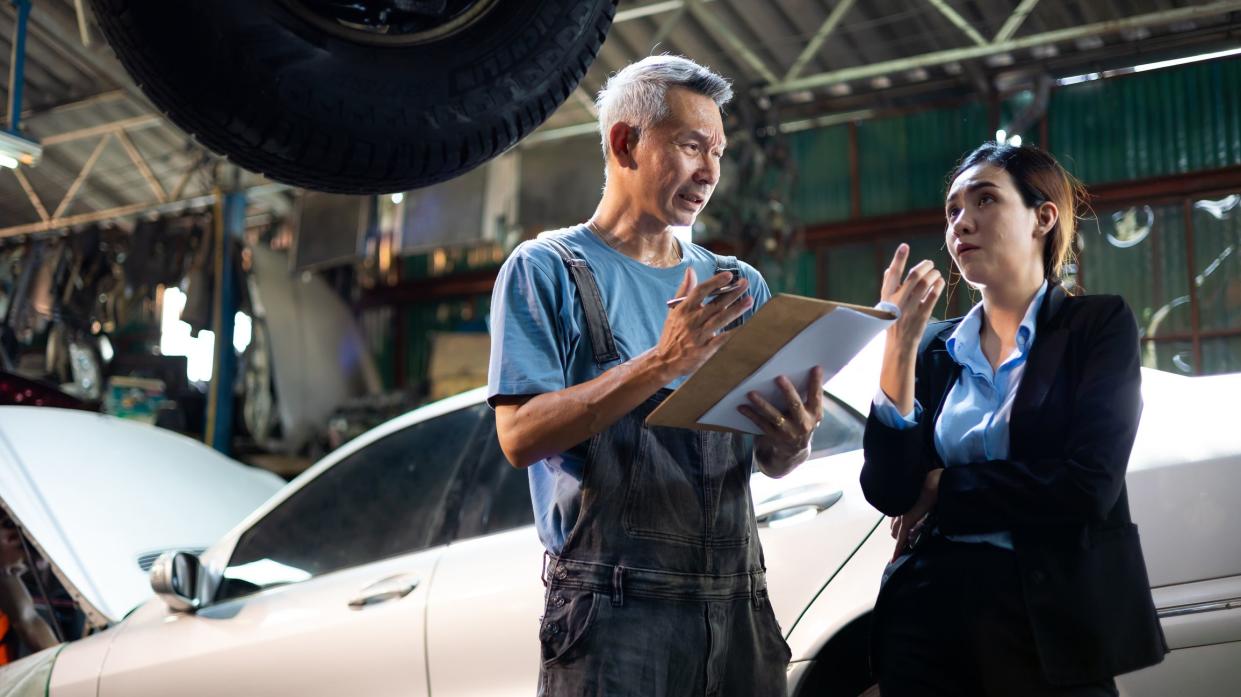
1013, 23
816, 42
112, 127
959, 54
946, 10
35, 201
82, 175
55, 223
717, 28
667, 26
141, 163
654, 8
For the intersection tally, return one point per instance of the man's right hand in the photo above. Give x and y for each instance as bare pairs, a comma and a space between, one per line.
692, 333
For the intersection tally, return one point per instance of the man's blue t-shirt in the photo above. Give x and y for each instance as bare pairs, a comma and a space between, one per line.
539, 340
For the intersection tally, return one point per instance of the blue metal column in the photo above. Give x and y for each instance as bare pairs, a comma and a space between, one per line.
17, 66
231, 226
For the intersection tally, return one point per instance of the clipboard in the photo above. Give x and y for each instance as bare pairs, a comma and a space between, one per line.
789, 335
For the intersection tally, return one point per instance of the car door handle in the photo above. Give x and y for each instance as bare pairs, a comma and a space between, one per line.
796, 504
391, 588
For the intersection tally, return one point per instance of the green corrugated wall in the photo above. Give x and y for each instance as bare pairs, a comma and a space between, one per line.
823, 188
1147, 125
1164, 122
903, 160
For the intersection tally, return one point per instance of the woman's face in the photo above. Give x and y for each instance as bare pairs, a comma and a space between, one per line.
991, 234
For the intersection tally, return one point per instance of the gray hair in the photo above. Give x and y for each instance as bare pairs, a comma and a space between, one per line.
637, 94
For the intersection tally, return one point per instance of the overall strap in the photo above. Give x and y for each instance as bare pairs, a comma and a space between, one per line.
726, 263
597, 325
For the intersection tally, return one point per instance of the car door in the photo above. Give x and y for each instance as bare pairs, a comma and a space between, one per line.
324, 595
1183, 488
485, 605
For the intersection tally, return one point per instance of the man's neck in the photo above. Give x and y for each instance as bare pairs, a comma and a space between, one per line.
637, 235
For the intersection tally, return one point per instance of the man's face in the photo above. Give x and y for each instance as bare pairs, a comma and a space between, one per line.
678, 159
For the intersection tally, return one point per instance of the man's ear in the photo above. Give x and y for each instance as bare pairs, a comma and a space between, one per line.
1048, 215
622, 138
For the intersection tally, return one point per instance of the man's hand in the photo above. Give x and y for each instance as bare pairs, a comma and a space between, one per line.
785, 442
907, 527
692, 333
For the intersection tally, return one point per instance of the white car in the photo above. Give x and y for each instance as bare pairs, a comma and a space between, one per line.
102, 498
406, 563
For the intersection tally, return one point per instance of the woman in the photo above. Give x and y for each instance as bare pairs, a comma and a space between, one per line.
999, 441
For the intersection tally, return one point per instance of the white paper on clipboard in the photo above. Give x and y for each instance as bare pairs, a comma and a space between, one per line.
829, 342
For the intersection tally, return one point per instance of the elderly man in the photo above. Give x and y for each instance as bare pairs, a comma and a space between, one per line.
654, 573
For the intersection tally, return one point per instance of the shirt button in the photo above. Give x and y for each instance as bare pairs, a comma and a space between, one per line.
559, 601
562, 574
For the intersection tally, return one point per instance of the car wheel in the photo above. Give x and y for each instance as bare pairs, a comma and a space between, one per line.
352, 97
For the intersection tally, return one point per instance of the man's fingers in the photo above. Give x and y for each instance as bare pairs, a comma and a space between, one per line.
814, 393
796, 407
716, 318
699, 293
687, 282
759, 419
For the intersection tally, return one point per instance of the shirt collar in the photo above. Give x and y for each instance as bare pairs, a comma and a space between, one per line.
964, 344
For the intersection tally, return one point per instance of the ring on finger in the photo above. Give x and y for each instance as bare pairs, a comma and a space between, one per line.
780, 423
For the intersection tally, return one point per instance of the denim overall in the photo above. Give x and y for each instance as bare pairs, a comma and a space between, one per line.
660, 589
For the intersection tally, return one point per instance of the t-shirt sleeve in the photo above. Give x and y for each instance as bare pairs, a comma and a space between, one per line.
758, 288
527, 332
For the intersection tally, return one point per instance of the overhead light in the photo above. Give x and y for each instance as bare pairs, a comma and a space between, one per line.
15, 150
1075, 79
1001, 136
1015, 141
398, 197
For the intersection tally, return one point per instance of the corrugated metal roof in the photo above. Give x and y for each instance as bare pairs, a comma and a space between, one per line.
76, 95
760, 45
880, 32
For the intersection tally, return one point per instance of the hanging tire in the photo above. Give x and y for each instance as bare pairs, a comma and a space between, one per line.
357, 97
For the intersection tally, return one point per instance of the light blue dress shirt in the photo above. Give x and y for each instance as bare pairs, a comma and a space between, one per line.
973, 426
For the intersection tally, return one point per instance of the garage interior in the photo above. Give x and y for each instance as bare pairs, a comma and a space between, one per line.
146, 276
848, 116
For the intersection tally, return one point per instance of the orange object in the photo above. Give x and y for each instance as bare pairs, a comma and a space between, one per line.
4, 635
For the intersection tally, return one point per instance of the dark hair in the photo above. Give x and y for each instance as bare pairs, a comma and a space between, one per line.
1039, 178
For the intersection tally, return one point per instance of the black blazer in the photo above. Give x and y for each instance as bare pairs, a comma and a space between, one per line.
1061, 492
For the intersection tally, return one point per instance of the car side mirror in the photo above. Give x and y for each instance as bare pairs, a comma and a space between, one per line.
174, 578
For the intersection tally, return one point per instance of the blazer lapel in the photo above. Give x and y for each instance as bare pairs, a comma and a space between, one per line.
944, 373
1042, 366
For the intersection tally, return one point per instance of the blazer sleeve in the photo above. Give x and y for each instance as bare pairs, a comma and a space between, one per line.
1085, 483
897, 459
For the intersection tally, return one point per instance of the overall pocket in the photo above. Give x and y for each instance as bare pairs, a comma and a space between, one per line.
688, 487
568, 617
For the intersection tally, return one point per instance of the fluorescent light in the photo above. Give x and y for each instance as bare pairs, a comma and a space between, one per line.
16, 150
1001, 136
1188, 59
1075, 79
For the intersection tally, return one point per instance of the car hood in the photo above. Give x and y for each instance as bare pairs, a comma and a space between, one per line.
100, 497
